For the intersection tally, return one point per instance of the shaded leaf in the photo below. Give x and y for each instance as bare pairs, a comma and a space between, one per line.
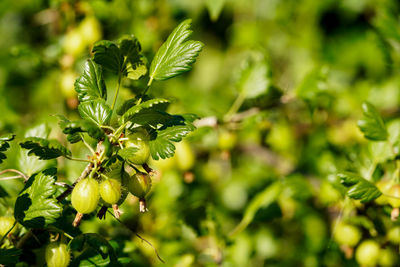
161, 146
4, 145
90, 85
30, 164
98, 251
44, 148
135, 63
154, 104
176, 55
372, 124
127, 152
74, 128
108, 55
96, 111
359, 188
36, 205
10, 256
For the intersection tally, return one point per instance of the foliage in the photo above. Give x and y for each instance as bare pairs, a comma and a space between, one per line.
294, 148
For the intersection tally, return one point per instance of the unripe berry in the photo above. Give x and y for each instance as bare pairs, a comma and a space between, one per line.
184, 156
395, 192
226, 140
347, 234
383, 186
57, 255
140, 141
85, 196
139, 184
110, 191
367, 253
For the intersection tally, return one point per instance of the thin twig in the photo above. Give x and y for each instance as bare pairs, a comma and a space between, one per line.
10, 177
16, 171
141, 238
9, 231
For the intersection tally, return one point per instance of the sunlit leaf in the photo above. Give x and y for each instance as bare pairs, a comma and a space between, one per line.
372, 124
359, 188
96, 111
36, 205
176, 55
90, 85
44, 148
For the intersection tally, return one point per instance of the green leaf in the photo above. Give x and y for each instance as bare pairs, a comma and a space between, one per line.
162, 145
90, 85
74, 128
30, 164
44, 148
158, 104
96, 111
254, 79
97, 251
176, 55
262, 199
36, 206
9, 257
127, 152
108, 55
372, 125
4, 145
135, 62
359, 188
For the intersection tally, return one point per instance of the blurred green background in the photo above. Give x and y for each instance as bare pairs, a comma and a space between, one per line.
283, 80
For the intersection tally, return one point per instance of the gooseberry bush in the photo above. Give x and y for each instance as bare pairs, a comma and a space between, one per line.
119, 140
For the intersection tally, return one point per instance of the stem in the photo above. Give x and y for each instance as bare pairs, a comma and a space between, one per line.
68, 235
10, 177
235, 106
145, 91
83, 160
116, 93
87, 145
9, 230
16, 171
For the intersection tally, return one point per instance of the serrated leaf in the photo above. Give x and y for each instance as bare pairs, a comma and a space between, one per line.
90, 85
372, 124
253, 78
44, 148
96, 111
98, 251
127, 152
32, 164
74, 128
9, 257
4, 145
359, 188
176, 55
158, 104
162, 145
134, 63
108, 55
36, 206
